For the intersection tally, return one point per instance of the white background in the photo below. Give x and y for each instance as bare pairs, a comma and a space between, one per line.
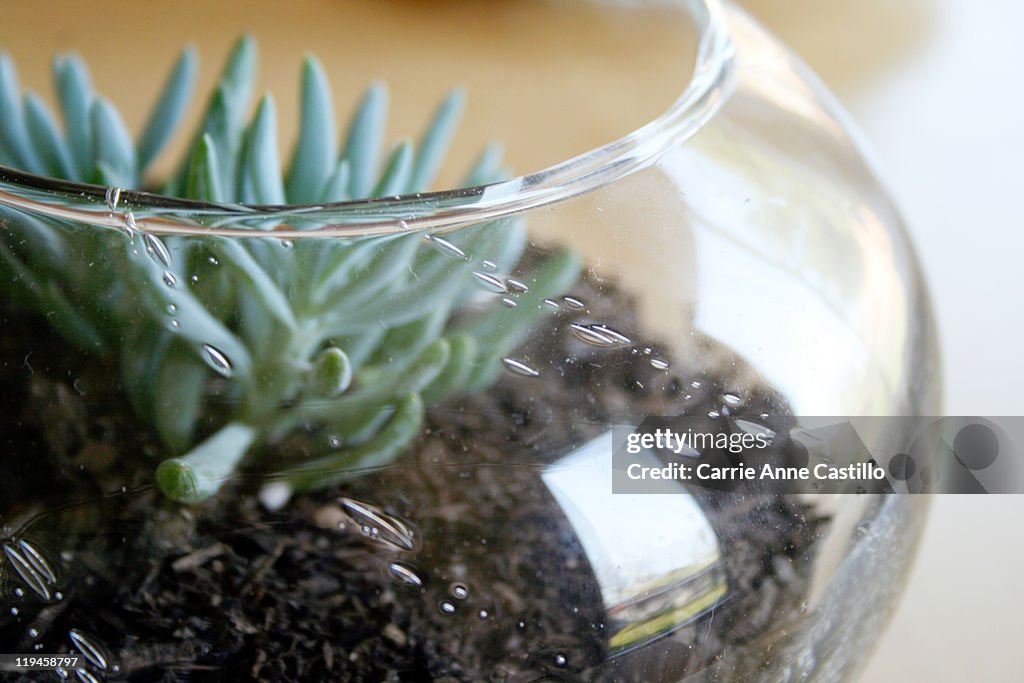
938, 87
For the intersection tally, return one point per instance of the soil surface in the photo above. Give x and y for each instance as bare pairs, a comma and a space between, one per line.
480, 575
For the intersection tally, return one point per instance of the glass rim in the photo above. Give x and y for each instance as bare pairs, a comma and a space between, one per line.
436, 211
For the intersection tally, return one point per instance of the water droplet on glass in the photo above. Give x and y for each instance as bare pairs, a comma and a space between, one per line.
14, 611
32, 568
598, 335
287, 244
90, 648
659, 364
561, 660
755, 429
62, 673
112, 197
38, 562
84, 676
379, 526
731, 399
334, 441
172, 309
169, 279
518, 367
405, 574
483, 614
404, 225
490, 266
695, 384
490, 282
130, 227
33, 633
19, 593
446, 247
157, 250
573, 302
553, 304
212, 260
446, 607
216, 359
459, 591
714, 414
509, 302
175, 324
516, 286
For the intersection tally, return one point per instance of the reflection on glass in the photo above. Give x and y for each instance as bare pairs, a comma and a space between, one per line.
656, 557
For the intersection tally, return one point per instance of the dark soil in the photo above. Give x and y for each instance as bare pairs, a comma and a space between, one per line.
231, 591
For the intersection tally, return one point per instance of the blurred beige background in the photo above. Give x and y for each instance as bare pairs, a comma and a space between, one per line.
936, 86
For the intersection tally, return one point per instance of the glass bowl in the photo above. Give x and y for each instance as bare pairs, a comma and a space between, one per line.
381, 438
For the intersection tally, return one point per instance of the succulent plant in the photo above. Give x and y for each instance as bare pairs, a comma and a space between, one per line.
356, 334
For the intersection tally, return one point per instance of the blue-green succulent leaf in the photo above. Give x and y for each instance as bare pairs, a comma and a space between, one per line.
13, 135
330, 374
379, 272
487, 167
462, 353
403, 426
336, 187
209, 338
200, 473
365, 136
501, 330
142, 350
41, 241
240, 68
74, 90
255, 279
179, 384
313, 159
46, 139
224, 119
378, 387
433, 146
395, 177
261, 153
48, 296
114, 148
170, 107
204, 177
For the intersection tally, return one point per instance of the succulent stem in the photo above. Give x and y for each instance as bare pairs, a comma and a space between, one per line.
332, 469
201, 472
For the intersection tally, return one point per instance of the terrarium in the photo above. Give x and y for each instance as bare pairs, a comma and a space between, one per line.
296, 411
